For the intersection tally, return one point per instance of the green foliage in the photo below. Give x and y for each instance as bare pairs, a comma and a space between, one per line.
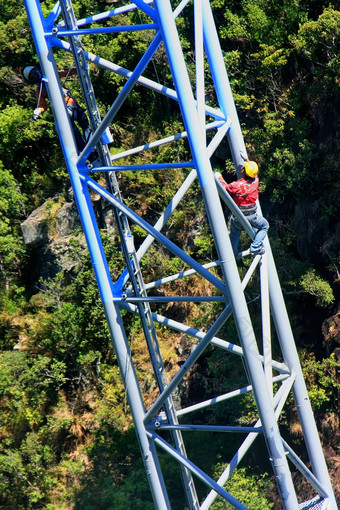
318, 41
24, 478
26, 387
318, 287
15, 38
260, 21
250, 489
323, 382
113, 398
204, 244
105, 486
11, 245
25, 146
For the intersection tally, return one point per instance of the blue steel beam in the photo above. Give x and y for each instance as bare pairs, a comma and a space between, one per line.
100, 266
219, 230
283, 327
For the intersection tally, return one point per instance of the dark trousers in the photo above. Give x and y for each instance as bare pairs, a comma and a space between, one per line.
78, 115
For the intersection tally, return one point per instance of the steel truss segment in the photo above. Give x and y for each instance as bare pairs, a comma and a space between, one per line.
157, 235
278, 400
157, 143
199, 335
159, 441
125, 73
205, 127
226, 396
253, 432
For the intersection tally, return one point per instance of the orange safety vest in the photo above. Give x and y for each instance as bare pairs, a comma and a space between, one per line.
41, 94
69, 100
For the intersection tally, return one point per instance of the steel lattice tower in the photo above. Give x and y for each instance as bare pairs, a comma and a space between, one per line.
270, 381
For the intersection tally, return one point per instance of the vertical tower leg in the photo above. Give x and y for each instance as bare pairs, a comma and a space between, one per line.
226, 257
300, 393
278, 307
101, 270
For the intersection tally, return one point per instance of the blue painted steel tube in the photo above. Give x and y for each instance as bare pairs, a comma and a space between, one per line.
86, 213
305, 471
123, 94
125, 73
157, 235
198, 472
210, 428
219, 230
243, 449
177, 276
155, 166
182, 328
276, 299
162, 141
300, 392
175, 299
167, 213
146, 8
109, 14
188, 364
222, 85
102, 30
199, 61
223, 397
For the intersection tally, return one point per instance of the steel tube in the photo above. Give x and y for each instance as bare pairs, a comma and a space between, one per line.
290, 355
180, 193
222, 85
157, 235
197, 472
265, 316
223, 344
222, 398
177, 276
125, 73
219, 230
91, 231
119, 101
187, 365
101, 30
243, 449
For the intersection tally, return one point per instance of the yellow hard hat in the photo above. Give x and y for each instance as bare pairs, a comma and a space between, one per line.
251, 168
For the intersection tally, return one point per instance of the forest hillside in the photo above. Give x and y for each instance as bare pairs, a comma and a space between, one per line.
66, 436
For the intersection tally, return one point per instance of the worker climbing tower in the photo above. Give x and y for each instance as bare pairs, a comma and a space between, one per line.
208, 119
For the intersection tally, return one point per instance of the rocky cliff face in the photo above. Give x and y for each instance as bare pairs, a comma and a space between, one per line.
49, 244
331, 333
47, 233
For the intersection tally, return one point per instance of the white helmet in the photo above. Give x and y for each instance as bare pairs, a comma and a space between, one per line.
32, 74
